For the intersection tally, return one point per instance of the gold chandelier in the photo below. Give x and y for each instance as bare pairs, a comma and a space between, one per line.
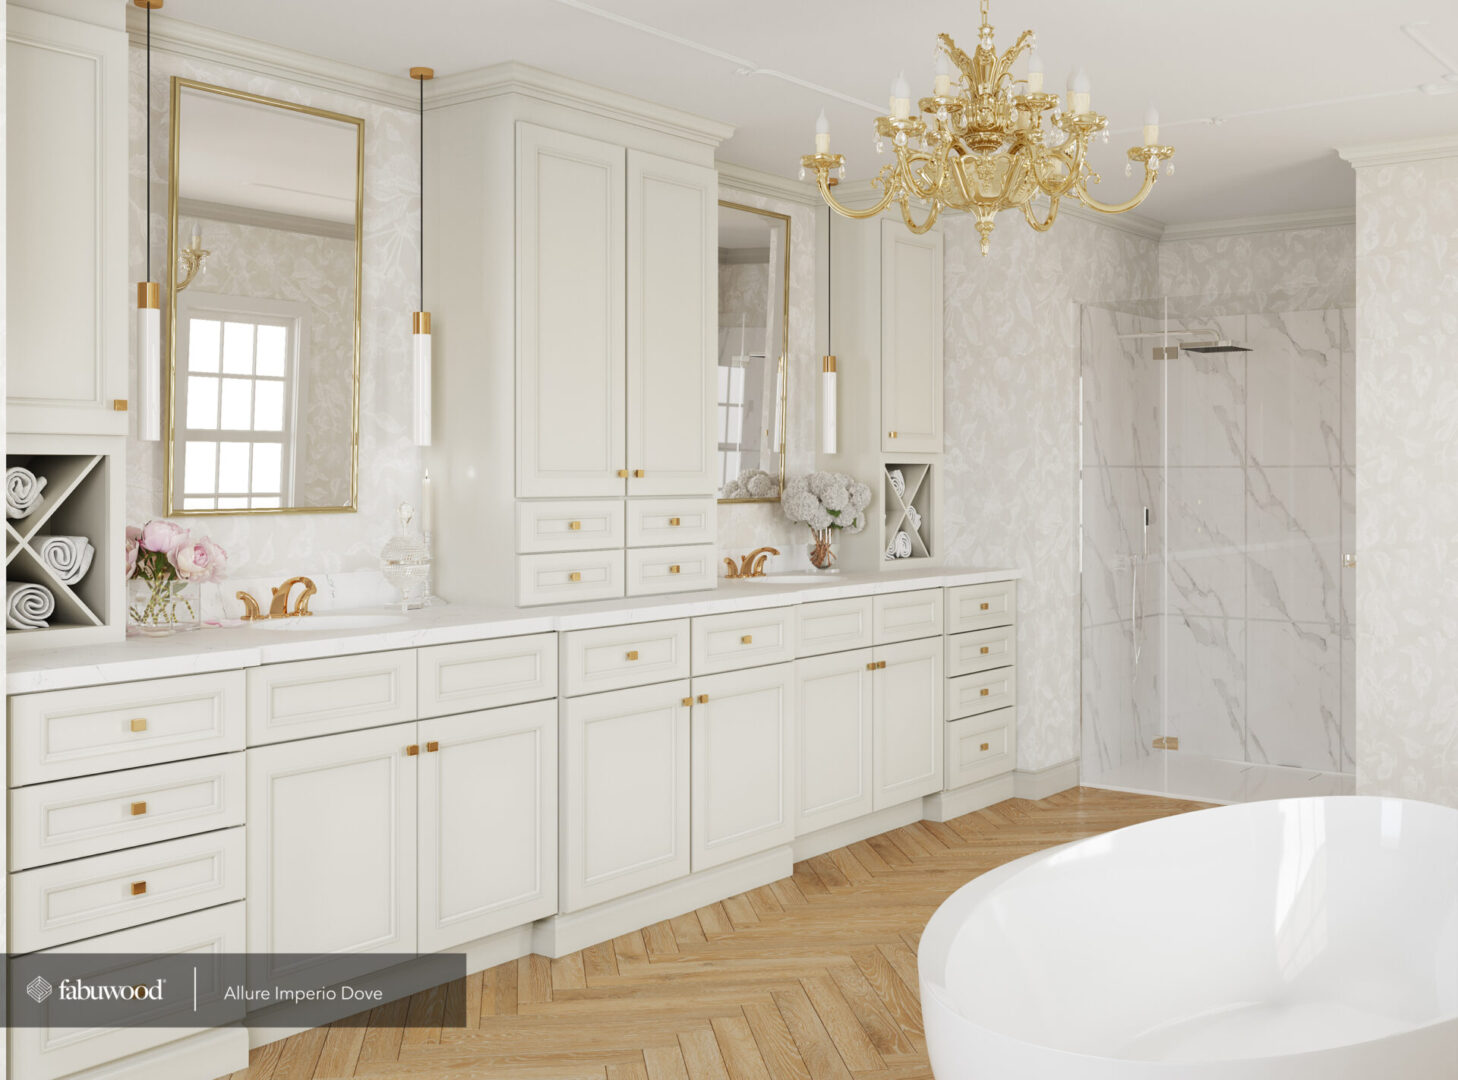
980, 143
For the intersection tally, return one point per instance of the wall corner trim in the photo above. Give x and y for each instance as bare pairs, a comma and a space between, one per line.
1305, 219
1399, 153
758, 182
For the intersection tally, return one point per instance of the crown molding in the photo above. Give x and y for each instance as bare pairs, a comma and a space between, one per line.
1305, 219
1399, 153
771, 186
1129, 223
517, 78
170, 35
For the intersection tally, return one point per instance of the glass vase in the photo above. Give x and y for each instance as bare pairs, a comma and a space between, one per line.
821, 549
162, 606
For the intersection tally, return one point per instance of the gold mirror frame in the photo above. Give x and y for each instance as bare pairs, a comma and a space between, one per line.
784, 373
175, 156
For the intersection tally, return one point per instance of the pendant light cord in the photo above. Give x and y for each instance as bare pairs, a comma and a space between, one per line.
422, 194
148, 183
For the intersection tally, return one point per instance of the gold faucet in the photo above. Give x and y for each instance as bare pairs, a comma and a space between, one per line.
751, 565
278, 607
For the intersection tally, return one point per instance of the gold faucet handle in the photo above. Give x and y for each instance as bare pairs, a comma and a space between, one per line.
279, 607
251, 610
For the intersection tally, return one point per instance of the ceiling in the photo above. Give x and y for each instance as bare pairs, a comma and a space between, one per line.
1254, 94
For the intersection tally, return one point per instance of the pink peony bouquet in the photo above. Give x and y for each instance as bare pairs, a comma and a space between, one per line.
164, 551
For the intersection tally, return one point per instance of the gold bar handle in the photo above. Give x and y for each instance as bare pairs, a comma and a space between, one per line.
138, 809
674, 522
119, 404
632, 654
432, 747
574, 526
747, 639
892, 434
622, 474
985, 606
870, 665
703, 699
986, 649
139, 888
638, 473
880, 664
674, 569
139, 723
412, 750
985, 691
687, 701
576, 575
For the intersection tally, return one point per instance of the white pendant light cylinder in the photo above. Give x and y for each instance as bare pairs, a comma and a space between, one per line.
828, 435
420, 375
149, 361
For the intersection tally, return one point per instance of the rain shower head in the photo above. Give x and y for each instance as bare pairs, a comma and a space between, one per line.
1221, 346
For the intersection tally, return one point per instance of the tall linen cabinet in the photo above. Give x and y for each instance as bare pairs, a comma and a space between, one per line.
571, 271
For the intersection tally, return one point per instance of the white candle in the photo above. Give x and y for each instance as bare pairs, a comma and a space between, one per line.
425, 508
196, 236
1151, 126
942, 82
1035, 72
900, 97
1078, 91
822, 133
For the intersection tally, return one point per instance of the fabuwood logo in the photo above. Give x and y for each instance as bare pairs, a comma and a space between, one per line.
76, 990
38, 989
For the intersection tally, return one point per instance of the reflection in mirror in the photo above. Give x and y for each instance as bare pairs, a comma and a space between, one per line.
264, 234
754, 311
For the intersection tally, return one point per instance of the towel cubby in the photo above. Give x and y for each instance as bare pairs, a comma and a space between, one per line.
909, 509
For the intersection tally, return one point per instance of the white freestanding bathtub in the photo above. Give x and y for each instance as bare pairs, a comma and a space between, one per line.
1301, 939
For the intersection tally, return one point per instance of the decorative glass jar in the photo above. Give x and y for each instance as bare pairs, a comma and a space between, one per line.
405, 562
162, 606
822, 549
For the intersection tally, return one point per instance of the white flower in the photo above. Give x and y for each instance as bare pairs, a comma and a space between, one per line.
763, 486
826, 500
860, 495
835, 497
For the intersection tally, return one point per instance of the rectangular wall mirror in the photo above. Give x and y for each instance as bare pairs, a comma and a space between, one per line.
264, 211
754, 349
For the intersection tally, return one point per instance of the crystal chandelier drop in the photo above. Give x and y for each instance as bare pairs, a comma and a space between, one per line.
985, 142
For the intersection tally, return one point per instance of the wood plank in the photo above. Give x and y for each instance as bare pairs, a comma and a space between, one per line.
569, 973
839, 1020
628, 1070
816, 1047
341, 1052
665, 1063
701, 1055
599, 962
776, 1044
687, 929
659, 940
715, 921
382, 1037
533, 979
742, 1059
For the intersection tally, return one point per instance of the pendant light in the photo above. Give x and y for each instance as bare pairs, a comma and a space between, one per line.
149, 293
827, 362
420, 320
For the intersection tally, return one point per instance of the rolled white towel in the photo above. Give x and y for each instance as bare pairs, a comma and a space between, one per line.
68, 557
898, 482
913, 515
27, 606
900, 546
22, 492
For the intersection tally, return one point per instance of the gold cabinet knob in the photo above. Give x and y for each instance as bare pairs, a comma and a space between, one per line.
574, 526
674, 522
139, 888
892, 434
432, 747
880, 664
703, 699
870, 665
622, 474
747, 639
632, 654
138, 809
674, 569
985, 606
687, 701
983, 746
412, 750
576, 575
985, 691
139, 723
638, 473
985, 649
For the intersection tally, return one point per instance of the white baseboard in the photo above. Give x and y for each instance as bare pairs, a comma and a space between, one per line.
849, 832
563, 934
945, 805
204, 1056
1041, 783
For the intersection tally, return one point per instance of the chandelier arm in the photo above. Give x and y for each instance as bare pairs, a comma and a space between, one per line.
1151, 174
1074, 166
822, 180
910, 172
1004, 65
931, 217
1047, 223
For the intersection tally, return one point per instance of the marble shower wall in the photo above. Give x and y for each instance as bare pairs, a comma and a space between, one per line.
340, 551
1407, 513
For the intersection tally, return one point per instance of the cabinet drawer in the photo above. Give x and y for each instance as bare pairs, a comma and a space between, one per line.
85, 897
906, 616
486, 674
977, 607
569, 525
834, 626
320, 697
981, 746
656, 522
742, 639
39, 1052
69, 819
614, 657
981, 650
969, 695
671, 569
64, 733
569, 577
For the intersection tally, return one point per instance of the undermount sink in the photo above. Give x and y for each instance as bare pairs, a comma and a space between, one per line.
788, 579
302, 623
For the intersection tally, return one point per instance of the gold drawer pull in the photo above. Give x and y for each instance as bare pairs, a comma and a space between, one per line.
984, 691
984, 746
870, 665
674, 569
638, 473
703, 699
574, 526
747, 639
412, 750
687, 701
893, 434
632, 654
881, 664
139, 723
985, 606
138, 809
674, 522
622, 474
576, 575
432, 747
986, 649
138, 888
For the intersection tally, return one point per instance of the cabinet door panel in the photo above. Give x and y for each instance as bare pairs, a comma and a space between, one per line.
331, 846
743, 744
624, 775
911, 340
835, 743
488, 822
672, 319
570, 337
908, 708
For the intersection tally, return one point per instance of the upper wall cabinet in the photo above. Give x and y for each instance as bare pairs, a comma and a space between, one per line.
911, 340
66, 222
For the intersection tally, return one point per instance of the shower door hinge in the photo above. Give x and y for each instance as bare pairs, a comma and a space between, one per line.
1167, 742
1163, 353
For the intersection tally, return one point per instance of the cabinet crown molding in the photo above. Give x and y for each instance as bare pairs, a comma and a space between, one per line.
1401, 152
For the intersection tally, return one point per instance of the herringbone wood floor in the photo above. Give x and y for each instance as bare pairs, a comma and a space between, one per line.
810, 978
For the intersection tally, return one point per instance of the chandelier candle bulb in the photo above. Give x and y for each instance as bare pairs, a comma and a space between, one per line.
942, 83
1035, 72
1151, 126
900, 97
822, 133
1078, 92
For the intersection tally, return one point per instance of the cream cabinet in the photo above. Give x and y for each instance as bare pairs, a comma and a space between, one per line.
624, 775
742, 779
488, 822
836, 738
907, 701
911, 340
66, 222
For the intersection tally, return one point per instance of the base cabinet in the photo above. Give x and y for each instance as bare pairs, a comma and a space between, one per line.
743, 744
836, 739
488, 823
624, 775
907, 700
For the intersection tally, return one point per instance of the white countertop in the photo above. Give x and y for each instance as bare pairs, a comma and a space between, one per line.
238, 645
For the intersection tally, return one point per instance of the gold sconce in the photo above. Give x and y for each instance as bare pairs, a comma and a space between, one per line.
191, 260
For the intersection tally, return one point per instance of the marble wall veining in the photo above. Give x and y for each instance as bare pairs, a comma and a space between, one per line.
1407, 487
339, 546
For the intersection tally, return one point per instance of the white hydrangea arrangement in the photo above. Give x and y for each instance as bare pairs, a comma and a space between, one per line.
825, 501
751, 484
